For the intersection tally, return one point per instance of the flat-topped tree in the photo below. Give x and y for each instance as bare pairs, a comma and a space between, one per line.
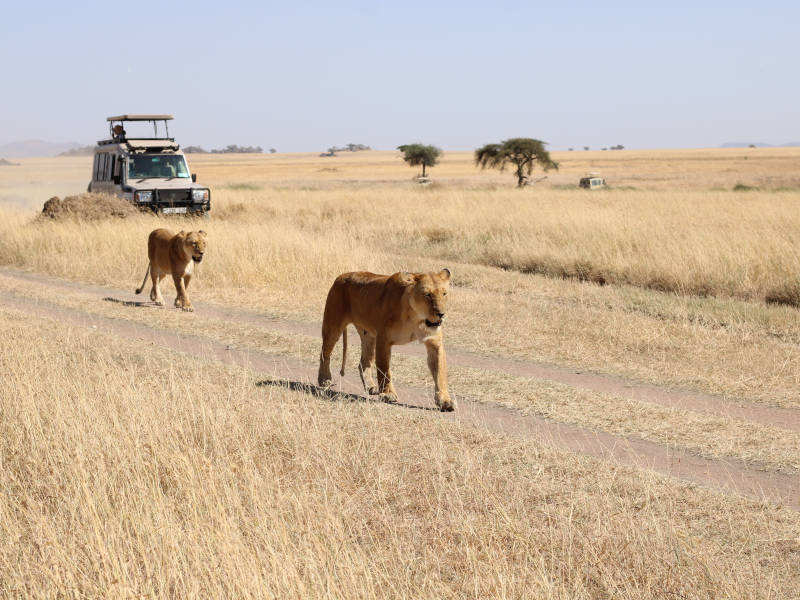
524, 153
420, 154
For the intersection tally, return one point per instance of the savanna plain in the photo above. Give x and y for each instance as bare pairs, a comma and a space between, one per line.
136, 461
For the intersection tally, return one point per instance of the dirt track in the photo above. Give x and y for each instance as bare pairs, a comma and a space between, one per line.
728, 475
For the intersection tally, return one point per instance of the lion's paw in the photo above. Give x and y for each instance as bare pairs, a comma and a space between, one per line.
373, 390
187, 308
388, 398
444, 402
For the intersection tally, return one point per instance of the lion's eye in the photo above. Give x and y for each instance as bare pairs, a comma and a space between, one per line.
444, 293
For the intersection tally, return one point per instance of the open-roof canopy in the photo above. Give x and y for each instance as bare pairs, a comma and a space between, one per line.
141, 118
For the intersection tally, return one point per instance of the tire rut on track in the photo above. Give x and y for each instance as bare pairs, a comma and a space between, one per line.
730, 476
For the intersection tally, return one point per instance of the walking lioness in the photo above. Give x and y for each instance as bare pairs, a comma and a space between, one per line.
173, 254
387, 310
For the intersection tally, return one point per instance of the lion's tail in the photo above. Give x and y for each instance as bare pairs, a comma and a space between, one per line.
344, 350
144, 281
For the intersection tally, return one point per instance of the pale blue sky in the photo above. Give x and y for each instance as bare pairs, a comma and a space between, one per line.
306, 75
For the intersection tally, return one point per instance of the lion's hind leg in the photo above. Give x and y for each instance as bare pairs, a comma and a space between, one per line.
367, 361
155, 292
330, 335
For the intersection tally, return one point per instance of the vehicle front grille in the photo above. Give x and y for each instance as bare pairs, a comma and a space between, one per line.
174, 197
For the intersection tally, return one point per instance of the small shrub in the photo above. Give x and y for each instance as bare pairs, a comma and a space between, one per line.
87, 207
787, 294
437, 235
251, 187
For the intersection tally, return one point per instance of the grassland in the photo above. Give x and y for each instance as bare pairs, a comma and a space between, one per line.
146, 476
148, 472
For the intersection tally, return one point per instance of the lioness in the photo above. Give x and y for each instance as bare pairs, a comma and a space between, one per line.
387, 310
173, 254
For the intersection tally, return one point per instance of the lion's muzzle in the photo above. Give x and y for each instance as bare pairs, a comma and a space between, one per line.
197, 259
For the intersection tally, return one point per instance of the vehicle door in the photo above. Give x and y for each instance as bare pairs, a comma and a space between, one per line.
105, 165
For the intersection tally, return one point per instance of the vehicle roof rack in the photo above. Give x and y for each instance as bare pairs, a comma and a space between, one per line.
141, 118
117, 131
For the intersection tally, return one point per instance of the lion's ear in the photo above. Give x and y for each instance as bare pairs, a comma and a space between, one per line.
445, 274
405, 277
203, 232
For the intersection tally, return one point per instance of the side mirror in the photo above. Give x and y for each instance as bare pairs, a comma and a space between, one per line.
194, 177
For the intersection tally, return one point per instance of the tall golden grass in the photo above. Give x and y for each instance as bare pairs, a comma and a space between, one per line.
697, 243
130, 472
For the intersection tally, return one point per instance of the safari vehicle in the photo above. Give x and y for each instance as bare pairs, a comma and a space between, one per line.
592, 181
151, 172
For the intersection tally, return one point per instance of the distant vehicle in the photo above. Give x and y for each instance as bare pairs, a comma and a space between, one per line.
150, 172
592, 182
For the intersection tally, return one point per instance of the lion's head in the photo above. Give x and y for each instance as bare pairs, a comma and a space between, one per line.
194, 243
429, 296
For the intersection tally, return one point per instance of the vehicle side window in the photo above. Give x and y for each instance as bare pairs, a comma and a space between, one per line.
95, 167
104, 168
113, 170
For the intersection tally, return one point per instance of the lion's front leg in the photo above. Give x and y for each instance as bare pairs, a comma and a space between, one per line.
384, 357
367, 362
182, 299
437, 363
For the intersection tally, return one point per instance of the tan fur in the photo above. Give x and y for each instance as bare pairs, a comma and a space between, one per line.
176, 255
387, 310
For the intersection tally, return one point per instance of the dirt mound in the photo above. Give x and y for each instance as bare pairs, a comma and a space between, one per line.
88, 207
7, 163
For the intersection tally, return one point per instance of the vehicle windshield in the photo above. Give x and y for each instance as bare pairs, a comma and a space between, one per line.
148, 166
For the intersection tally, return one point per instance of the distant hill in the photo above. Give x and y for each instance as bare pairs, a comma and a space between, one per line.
756, 144
79, 151
32, 148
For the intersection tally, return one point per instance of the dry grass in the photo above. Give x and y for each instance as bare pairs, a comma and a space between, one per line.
146, 474
130, 471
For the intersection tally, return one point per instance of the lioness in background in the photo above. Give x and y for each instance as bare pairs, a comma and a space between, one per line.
173, 254
387, 310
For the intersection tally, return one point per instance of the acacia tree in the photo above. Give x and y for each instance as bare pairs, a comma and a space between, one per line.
524, 153
419, 154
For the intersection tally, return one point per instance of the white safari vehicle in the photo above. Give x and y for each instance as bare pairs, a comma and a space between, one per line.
592, 181
151, 172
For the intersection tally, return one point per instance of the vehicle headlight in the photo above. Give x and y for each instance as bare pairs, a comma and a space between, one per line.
143, 196
199, 196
